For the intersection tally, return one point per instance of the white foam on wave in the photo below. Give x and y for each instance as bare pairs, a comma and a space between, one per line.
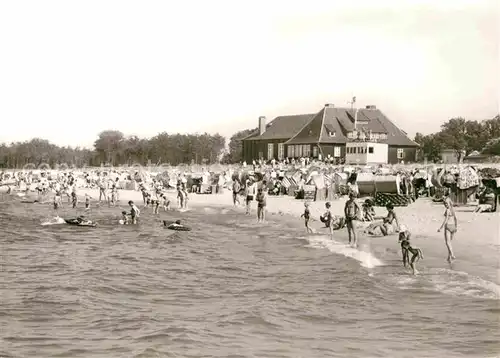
458, 283
54, 221
365, 258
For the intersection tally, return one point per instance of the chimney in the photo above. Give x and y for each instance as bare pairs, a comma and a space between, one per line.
262, 125
371, 106
329, 105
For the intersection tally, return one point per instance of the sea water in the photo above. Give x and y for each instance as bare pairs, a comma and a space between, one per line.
231, 288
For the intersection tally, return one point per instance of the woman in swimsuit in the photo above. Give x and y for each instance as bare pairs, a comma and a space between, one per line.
450, 228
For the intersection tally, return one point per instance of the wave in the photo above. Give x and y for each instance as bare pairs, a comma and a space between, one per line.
54, 221
460, 283
366, 258
449, 282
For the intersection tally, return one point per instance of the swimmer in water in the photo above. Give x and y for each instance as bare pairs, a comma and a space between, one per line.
407, 249
177, 223
124, 218
134, 212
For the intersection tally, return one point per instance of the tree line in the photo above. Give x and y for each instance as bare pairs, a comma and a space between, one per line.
113, 148
463, 136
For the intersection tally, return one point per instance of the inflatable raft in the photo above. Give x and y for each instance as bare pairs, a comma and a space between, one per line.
75, 222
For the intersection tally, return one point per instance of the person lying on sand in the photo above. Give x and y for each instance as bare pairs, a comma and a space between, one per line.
387, 225
407, 249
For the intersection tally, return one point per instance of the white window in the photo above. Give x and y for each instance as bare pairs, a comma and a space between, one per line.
281, 150
270, 151
336, 152
298, 151
306, 150
315, 151
291, 151
401, 153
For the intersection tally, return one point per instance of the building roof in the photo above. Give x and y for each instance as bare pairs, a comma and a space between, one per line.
331, 125
282, 127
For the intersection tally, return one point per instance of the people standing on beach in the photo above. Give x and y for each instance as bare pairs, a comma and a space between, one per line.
181, 197
307, 216
352, 213
450, 228
261, 205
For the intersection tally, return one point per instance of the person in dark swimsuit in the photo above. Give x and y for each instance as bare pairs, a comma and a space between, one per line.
307, 216
407, 249
352, 213
261, 205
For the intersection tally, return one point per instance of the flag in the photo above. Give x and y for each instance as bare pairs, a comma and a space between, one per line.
354, 99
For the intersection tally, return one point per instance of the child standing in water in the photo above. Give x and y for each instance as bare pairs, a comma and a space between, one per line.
450, 228
156, 206
406, 249
87, 202
261, 205
124, 219
327, 218
307, 216
181, 197
57, 201
134, 212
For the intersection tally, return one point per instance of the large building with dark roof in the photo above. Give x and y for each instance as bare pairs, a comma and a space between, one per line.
331, 131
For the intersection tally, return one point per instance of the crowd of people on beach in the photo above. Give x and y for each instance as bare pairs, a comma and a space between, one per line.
245, 191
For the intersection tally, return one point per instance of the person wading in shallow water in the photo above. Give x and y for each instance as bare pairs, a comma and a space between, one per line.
450, 228
261, 205
352, 213
307, 216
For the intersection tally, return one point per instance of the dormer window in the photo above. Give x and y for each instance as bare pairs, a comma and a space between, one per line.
332, 134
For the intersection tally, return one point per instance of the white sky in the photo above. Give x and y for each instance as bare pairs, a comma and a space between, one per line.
70, 69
